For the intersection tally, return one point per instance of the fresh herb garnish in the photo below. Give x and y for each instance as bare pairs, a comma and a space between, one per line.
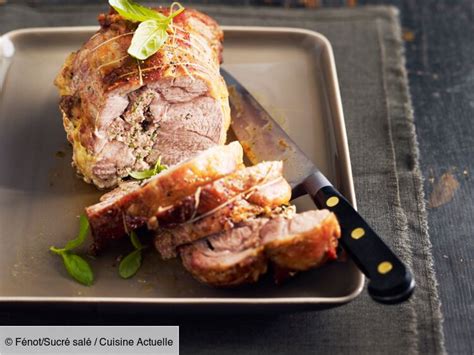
81, 236
76, 266
146, 174
135, 12
152, 32
135, 241
132, 262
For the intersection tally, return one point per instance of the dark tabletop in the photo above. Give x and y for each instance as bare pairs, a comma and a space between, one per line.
439, 49
439, 43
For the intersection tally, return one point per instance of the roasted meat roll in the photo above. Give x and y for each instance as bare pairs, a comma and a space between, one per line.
291, 242
121, 114
229, 258
131, 205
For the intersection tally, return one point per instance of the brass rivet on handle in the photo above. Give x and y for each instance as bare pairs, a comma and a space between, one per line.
384, 267
357, 233
332, 201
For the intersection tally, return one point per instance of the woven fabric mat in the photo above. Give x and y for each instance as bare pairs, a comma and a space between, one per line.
382, 140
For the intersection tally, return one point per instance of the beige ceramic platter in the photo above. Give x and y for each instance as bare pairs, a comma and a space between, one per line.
290, 71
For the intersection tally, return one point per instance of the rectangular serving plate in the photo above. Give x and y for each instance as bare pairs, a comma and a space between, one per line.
291, 72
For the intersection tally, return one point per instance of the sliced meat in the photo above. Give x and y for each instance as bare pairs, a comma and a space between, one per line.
121, 114
205, 198
224, 217
122, 189
127, 210
167, 240
307, 240
229, 258
240, 255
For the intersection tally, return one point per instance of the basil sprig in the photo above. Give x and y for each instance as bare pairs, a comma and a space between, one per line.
132, 262
151, 33
135, 12
76, 266
146, 174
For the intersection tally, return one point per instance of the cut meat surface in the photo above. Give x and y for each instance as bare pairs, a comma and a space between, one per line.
230, 258
224, 217
121, 114
131, 207
240, 255
302, 242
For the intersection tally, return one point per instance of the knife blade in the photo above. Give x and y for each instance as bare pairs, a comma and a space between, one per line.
262, 138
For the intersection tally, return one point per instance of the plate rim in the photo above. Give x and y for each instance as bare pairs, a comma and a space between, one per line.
343, 148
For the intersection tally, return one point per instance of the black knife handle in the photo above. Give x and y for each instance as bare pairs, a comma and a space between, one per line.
390, 281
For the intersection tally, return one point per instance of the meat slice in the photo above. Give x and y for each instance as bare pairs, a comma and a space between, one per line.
240, 255
265, 199
307, 240
229, 258
218, 192
132, 207
167, 240
121, 114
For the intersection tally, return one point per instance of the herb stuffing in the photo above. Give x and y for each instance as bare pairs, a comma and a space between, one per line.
152, 32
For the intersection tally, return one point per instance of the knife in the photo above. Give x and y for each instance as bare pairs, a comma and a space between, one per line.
262, 138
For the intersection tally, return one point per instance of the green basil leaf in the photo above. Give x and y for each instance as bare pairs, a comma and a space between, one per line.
81, 236
130, 264
159, 167
135, 241
146, 174
57, 251
135, 12
142, 175
78, 268
148, 38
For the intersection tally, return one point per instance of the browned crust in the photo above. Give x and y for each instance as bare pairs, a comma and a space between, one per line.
169, 238
304, 251
102, 67
112, 219
242, 182
289, 255
115, 76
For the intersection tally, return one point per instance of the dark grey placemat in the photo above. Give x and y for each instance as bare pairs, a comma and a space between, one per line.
384, 153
